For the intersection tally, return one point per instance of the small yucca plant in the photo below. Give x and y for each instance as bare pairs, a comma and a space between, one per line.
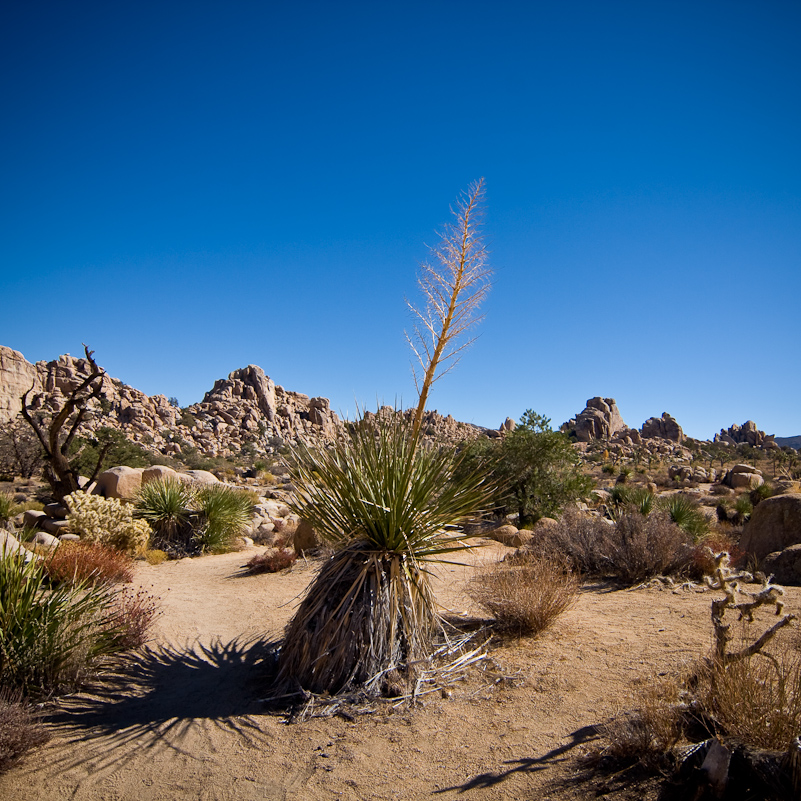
685, 513
223, 513
391, 507
166, 504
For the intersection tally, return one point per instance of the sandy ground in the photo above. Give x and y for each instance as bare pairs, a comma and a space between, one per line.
188, 724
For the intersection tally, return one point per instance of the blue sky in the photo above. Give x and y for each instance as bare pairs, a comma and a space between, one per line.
193, 187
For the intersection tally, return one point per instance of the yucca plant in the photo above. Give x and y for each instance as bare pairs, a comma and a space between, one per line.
222, 514
390, 506
387, 502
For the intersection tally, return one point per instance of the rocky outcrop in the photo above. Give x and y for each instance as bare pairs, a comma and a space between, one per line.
664, 427
17, 376
245, 411
775, 524
600, 420
746, 434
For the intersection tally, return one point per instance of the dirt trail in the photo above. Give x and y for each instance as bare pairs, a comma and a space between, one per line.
189, 724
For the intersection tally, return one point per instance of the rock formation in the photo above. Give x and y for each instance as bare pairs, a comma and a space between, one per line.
599, 420
664, 427
246, 411
746, 434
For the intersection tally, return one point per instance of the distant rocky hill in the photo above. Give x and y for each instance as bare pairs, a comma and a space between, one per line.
246, 410
601, 421
789, 442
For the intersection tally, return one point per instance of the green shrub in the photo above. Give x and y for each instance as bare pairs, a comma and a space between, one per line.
609, 469
743, 507
188, 520
108, 521
49, 636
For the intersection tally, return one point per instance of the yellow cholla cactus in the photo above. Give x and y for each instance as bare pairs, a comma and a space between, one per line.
107, 521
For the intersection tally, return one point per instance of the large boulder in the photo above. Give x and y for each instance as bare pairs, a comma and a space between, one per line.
305, 538
784, 566
120, 482
158, 472
199, 477
743, 476
10, 546
17, 376
775, 524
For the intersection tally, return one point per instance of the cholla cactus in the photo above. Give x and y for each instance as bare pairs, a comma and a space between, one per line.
728, 581
107, 521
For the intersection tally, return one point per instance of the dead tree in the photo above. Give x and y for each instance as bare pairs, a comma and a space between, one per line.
59, 470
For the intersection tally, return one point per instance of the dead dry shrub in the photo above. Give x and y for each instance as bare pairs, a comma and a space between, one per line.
645, 734
644, 547
635, 548
272, 560
757, 699
20, 731
132, 617
527, 596
584, 541
703, 553
90, 562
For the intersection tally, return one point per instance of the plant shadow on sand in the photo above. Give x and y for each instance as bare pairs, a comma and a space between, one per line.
157, 696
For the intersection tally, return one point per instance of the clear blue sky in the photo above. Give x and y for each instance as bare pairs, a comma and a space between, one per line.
193, 187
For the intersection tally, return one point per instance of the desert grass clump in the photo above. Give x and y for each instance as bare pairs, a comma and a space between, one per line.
756, 699
389, 505
87, 563
527, 597
20, 731
646, 734
8, 507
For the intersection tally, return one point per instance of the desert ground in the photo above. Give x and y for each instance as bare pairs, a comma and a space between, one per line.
186, 720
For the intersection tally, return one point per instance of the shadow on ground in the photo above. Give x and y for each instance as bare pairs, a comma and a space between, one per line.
157, 696
488, 780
